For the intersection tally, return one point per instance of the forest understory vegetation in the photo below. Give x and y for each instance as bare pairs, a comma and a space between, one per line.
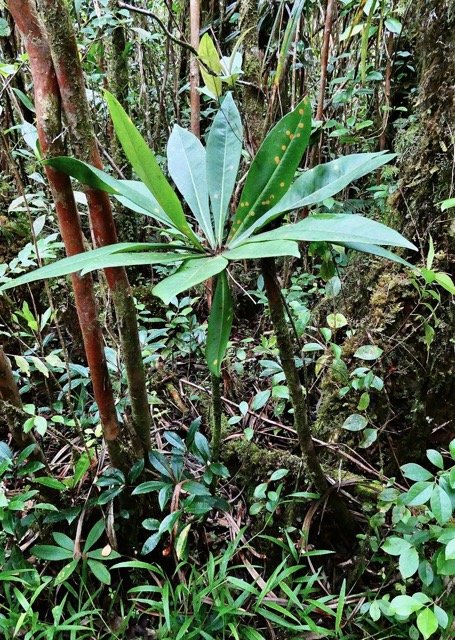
227, 320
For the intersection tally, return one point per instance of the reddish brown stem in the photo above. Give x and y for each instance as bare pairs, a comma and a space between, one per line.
48, 120
65, 55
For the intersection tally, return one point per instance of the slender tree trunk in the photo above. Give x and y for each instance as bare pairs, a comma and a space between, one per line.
65, 55
117, 81
195, 19
12, 410
48, 119
343, 516
253, 96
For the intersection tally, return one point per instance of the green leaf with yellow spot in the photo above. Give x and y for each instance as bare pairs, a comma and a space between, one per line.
273, 167
65, 573
220, 324
319, 184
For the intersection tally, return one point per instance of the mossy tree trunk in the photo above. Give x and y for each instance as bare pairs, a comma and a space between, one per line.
64, 51
427, 178
49, 127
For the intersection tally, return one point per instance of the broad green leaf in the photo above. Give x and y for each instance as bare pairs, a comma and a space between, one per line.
368, 352
271, 249
427, 623
220, 324
369, 436
336, 320
51, 552
441, 505
418, 494
416, 472
209, 56
393, 25
355, 422
273, 167
335, 228
144, 162
187, 167
130, 190
190, 274
396, 546
63, 541
99, 259
52, 483
441, 615
260, 400
150, 543
322, 182
99, 571
426, 573
445, 281
447, 204
435, 458
409, 562
450, 550
224, 149
405, 605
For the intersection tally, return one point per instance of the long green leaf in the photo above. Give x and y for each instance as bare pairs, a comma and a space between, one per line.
155, 210
189, 275
224, 149
220, 324
273, 167
271, 249
138, 259
112, 255
129, 189
320, 183
209, 55
337, 227
144, 162
378, 251
288, 37
187, 166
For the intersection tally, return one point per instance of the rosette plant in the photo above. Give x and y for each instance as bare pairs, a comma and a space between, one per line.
208, 239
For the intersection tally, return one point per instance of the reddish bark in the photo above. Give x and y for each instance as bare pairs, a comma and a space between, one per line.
48, 116
65, 55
